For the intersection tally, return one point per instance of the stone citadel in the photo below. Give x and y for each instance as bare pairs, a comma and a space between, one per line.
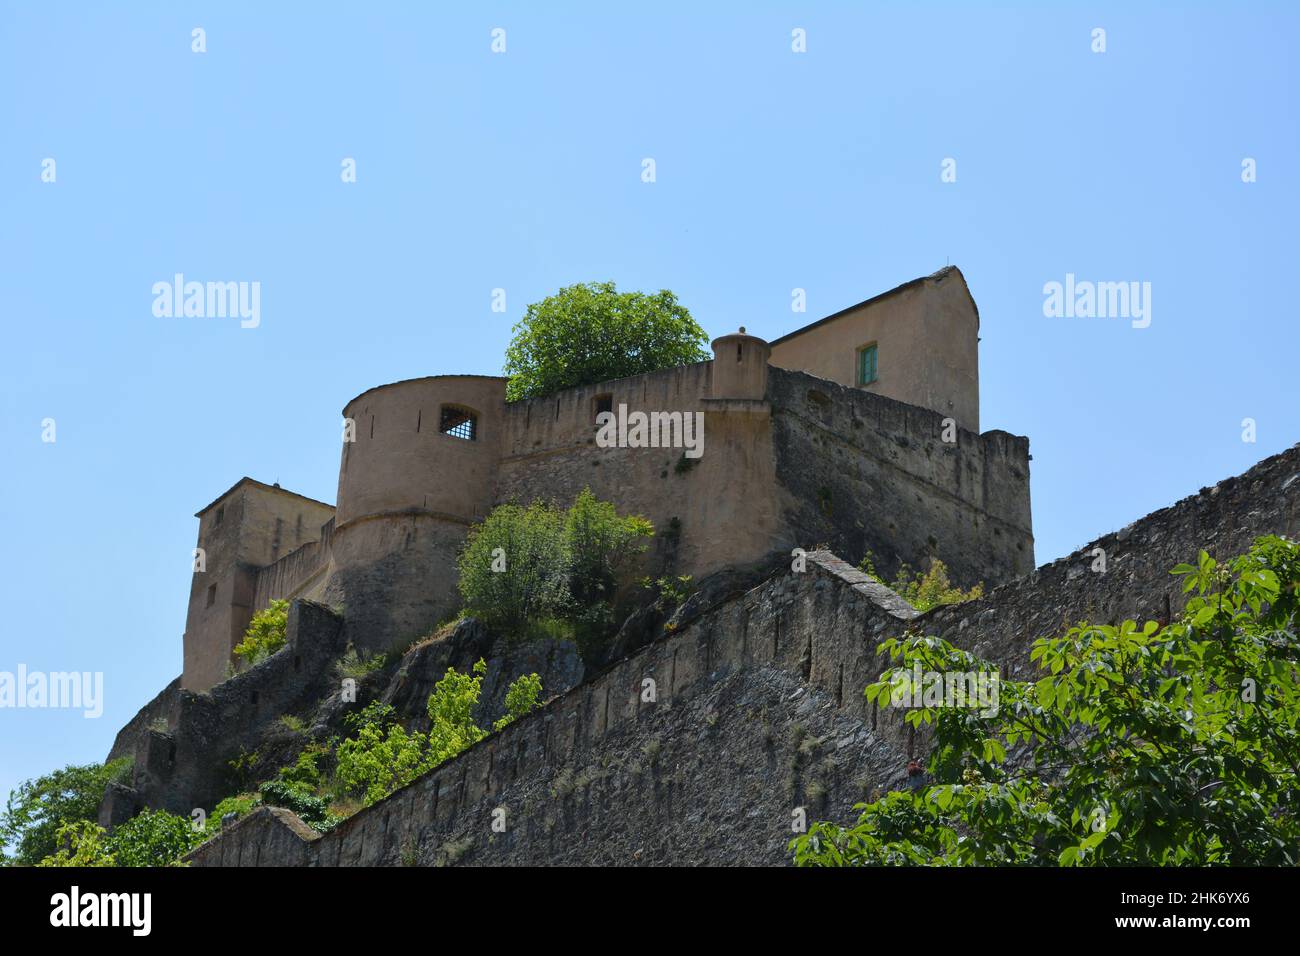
833, 434
858, 433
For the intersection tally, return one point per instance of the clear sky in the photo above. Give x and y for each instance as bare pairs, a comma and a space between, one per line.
522, 170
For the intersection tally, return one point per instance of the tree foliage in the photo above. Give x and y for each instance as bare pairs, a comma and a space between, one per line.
265, 634
924, 591
151, 838
384, 755
591, 332
524, 567
1137, 745
514, 568
35, 812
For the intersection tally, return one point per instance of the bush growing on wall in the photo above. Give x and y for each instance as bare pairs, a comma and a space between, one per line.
152, 838
514, 567
924, 591
265, 634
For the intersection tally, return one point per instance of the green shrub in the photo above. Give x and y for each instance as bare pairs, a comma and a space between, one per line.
353, 664
240, 804
304, 773
521, 697
79, 843
559, 566
313, 810
384, 756
534, 583
924, 591
153, 838
265, 634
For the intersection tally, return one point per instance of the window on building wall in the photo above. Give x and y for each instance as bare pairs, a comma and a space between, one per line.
867, 364
221, 516
212, 595
603, 403
458, 423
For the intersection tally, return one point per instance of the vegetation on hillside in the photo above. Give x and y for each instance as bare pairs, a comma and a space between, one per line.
541, 571
1137, 745
384, 756
51, 821
591, 332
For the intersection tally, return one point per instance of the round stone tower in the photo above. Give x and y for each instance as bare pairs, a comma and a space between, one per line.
419, 468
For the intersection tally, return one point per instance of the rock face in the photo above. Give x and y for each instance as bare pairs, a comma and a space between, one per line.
703, 746
184, 743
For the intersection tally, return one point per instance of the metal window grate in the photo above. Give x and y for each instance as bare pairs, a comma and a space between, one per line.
458, 423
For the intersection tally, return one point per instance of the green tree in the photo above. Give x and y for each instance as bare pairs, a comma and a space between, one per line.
524, 569
79, 843
35, 812
600, 544
151, 838
1174, 745
514, 566
591, 332
265, 634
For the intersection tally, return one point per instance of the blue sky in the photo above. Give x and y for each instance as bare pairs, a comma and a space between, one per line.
522, 171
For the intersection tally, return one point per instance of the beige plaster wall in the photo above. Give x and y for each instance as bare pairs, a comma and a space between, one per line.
927, 338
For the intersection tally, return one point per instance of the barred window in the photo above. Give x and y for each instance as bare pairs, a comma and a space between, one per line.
458, 423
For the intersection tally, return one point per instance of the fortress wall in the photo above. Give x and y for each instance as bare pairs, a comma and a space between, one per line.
296, 572
567, 420
188, 765
927, 337
724, 502
394, 577
866, 473
1222, 520
577, 779
818, 628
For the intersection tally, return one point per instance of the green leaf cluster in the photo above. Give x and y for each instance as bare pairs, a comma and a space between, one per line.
523, 568
1137, 744
590, 332
265, 634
